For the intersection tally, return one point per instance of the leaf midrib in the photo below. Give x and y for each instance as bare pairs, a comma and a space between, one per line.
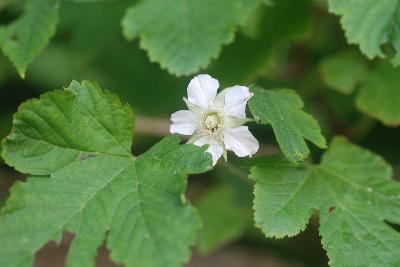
95, 194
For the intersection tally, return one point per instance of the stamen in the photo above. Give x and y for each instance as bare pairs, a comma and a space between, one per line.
212, 122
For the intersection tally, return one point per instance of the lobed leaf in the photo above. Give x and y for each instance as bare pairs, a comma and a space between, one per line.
370, 24
282, 109
75, 144
353, 192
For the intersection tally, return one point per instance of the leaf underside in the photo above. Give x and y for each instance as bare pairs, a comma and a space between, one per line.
76, 145
354, 194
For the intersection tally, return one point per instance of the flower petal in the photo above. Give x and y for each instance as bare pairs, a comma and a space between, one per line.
183, 122
236, 98
214, 148
197, 110
219, 102
202, 90
240, 141
234, 122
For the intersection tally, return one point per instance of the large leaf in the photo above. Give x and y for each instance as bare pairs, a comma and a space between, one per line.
22, 40
76, 145
370, 24
282, 109
118, 68
183, 36
354, 193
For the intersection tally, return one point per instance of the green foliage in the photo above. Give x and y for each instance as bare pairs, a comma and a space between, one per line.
380, 94
22, 40
343, 72
354, 193
370, 24
235, 66
282, 109
378, 86
89, 1
184, 36
224, 220
76, 145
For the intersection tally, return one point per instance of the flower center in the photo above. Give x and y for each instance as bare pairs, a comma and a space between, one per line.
212, 122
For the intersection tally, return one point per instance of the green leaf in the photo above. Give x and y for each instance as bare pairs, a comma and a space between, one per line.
370, 24
343, 72
353, 192
22, 40
3, 196
76, 145
100, 30
235, 67
379, 94
282, 109
89, 1
379, 90
224, 220
183, 36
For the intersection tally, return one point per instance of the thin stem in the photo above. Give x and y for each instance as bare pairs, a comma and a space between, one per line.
237, 172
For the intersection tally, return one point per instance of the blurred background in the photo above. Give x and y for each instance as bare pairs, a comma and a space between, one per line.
286, 44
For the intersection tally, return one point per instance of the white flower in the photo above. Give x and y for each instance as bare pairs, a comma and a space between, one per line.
216, 120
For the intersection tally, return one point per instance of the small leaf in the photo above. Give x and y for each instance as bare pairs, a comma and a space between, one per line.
184, 36
76, 145
343, 72
379, 91
354, 193
379, 94
22, 40
370, 24
282, 109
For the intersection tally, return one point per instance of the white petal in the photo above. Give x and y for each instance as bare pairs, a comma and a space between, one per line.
234, 122
240, 141
183, 122
219, 102
197, 110
236, 98
202, 90
214, 148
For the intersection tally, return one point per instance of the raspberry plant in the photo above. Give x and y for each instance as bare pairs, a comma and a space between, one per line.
87, 168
